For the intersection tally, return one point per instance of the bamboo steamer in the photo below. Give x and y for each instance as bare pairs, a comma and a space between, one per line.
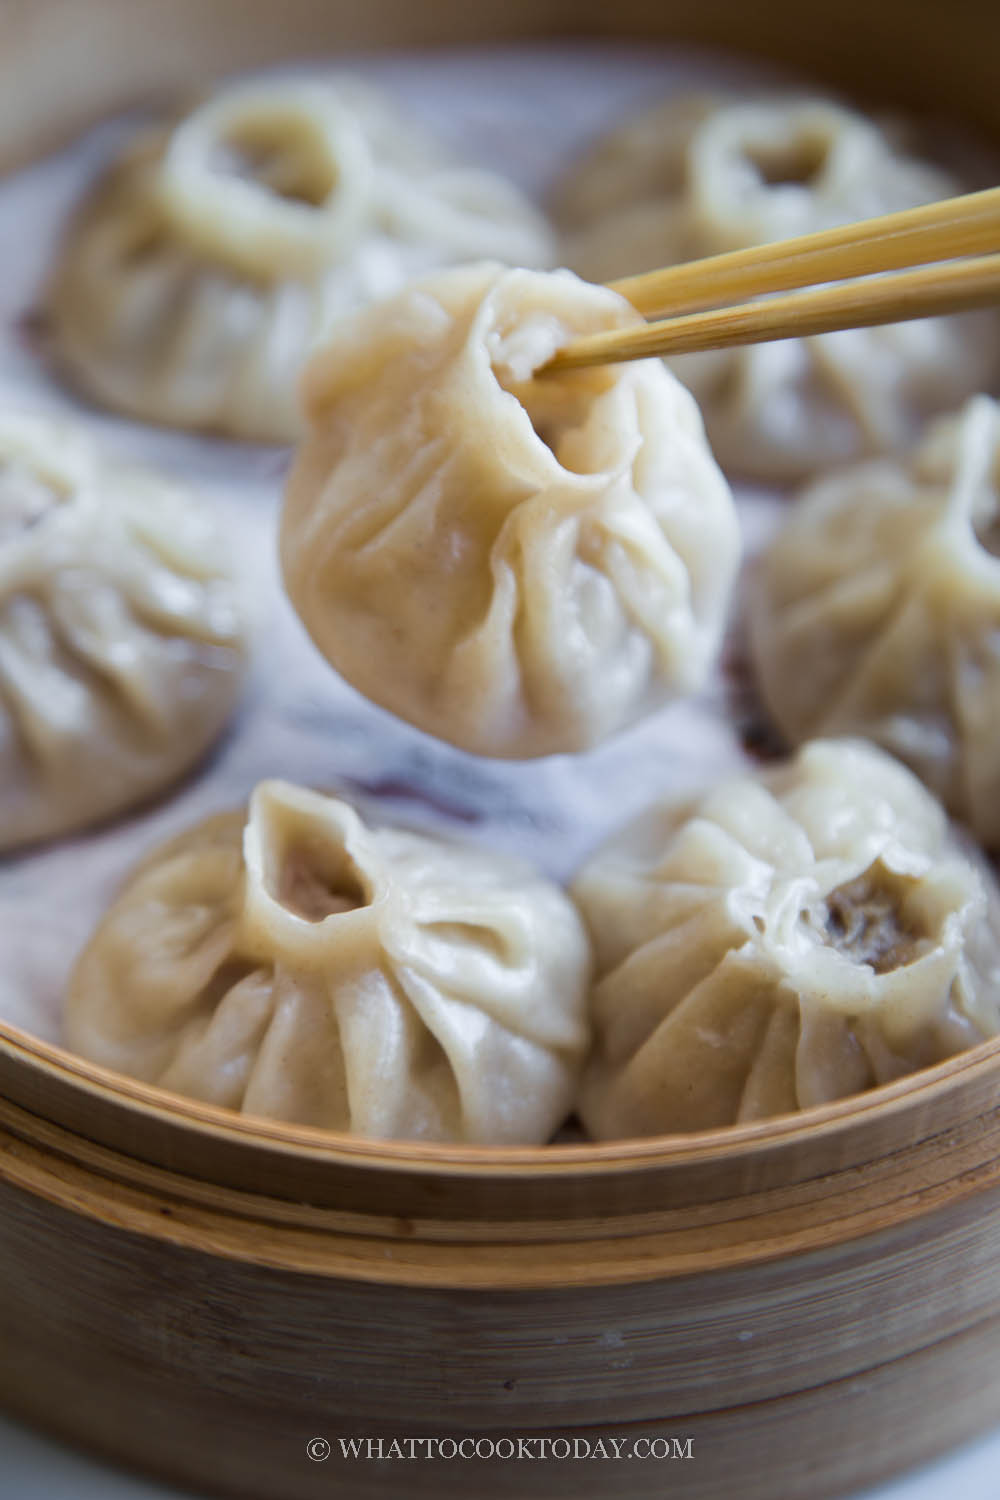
803, 1306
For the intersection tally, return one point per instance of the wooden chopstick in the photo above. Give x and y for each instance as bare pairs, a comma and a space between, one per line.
956, 286
931, 237
969, 225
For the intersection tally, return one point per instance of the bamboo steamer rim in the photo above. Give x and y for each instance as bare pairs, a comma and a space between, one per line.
929, 1086
176, 1172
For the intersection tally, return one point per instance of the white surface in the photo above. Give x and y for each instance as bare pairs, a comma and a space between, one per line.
33, 1469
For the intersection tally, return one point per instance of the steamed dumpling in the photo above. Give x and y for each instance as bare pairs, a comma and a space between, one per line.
121, 640
698, 177
877, 611
294, 963
786, 940
517, 565
201, 269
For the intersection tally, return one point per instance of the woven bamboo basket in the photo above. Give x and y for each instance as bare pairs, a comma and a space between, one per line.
801, 1306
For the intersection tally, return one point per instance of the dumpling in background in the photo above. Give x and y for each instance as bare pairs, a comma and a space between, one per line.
789, 939
121, 640
292, 962
517, 565
698, 177
198, 273
877, 611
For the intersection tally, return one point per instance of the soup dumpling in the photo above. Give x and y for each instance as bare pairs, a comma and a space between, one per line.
121, 636
698, 177
876, 611
519, 565
785, 940
291, 962
200, 270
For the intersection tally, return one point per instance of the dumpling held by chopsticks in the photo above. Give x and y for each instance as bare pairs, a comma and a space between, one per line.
519, 564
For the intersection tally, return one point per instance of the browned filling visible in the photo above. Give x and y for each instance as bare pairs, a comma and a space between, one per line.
26, 498
864, 920
275, 165
797, 162
315, 884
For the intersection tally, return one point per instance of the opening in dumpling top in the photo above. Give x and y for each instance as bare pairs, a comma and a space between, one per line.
307, 868
867, 921
797, 162
559, 407
278, 158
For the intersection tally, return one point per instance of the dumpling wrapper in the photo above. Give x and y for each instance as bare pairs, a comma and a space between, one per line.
700, 176
786, 940
208, 259
518, 565
293, 963
876, 611
122, 646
